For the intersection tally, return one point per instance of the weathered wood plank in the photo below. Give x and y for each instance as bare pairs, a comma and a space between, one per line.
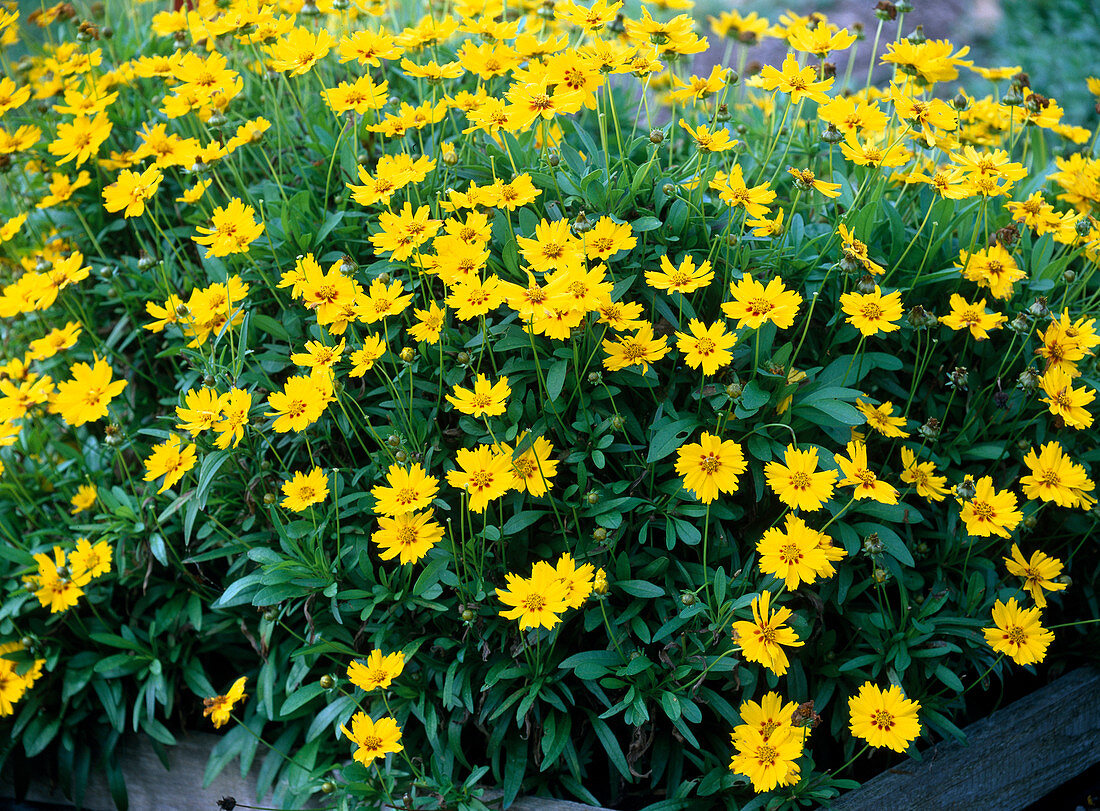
1012, 758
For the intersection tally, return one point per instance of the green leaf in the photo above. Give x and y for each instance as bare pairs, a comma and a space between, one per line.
639, 588
555, 378
668, 438
610, 745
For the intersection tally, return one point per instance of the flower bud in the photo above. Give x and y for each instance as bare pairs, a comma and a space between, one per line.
960, 102
1083, 226
599, 534
966, 489
734, 390
957, 378
881, 575
1068, 276
722, 114
831, 135
617, 422
917, 37
866, 284
394, 441
904, 6
1028, 380
1029, 522
656, 136
582, 224
463, 358
1020, 323
886, 11
592, 497
594, 378
407, 355
1039, 307
599, 582
920, 318
687, 598
327, 682
270, 499
552, 157
328, 786
468, 615
931, 429
873, 545
401, 457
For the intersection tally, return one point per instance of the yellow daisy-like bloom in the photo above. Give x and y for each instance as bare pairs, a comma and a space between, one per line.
374, 739
792, 554
1019, 633
532, 470
856, 473
683, 278
707, 141
85, 497
300, 404
640, 349
964, 315
484, 400
129, 193
170, 459
991, 267
406, 490
201, 411
86, 396
577, 579
989, 511
706, 347
536, 602
305, 489
57, 585
797, 482
364, 358
232, 229
378, 672
710, 466
884, 718
1064, 401
880, 418
767, 717
872, 313
300, 50
797, 81
1038, 573
219, 707
1055, 477
922, 476
483, 473
767, 762
753, 304
806, 180
409, 535
763, 639
93, 560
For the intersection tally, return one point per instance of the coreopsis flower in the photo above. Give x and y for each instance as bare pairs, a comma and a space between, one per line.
607, 238
856, 252
56, 584
93, 560
359, 97
964, 315
805, 179
820, 40
881, 418
710, 466
483, 473
516, 193
62, 188
378, 672
577, 579
383, 301
534, 469
304, 489
301, 403
1019, 633
233, 229
791, 554
1064, 401
85, 498
552, 248
538, 601
923, 476
12, 687
706, 347
364, 358
485, 399
991, 267
373, 739
884, 718
409, 535
872, 313
201, 410
530, 102
54, 341
85, 397
406, 490
319, 356
1055, 477
767, 762
591, 18
877, 151
707, 141
170, 459
763, 639
754, 304
475, 297
856, 473
1038, 573
850, 114
218, 708
640, 349
928, 62
768, 717
368, 48
235, 405
429, 323
797, 482
732, 189
129, 193
300, 50
797, 81
990, 511
1061, 350
763, 227
80, 139
683, 278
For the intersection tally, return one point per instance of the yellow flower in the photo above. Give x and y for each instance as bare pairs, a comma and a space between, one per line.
964, 315
300, 50
706, 141
235, 405
305, 489
792, 554
879, 418
884, 718
536, 602
806, 180
710, 466
86, 396
532, 470
797, 81
233, 229
219, 707
1055, 477
989, 511
93, 560
872, 313
684, 278
1038, 573
1064, 401
732, 189
378, 672
301, 402
129, 193
483, 473
767, 762
406, 490
797, 481
706, 347
201, 411
84, 499
855, 471
1019, 633
484, 400
923, 476
754, 304
57, 585
374, 739
640, 349
364, 358
409, 535
170, 459
763, 639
